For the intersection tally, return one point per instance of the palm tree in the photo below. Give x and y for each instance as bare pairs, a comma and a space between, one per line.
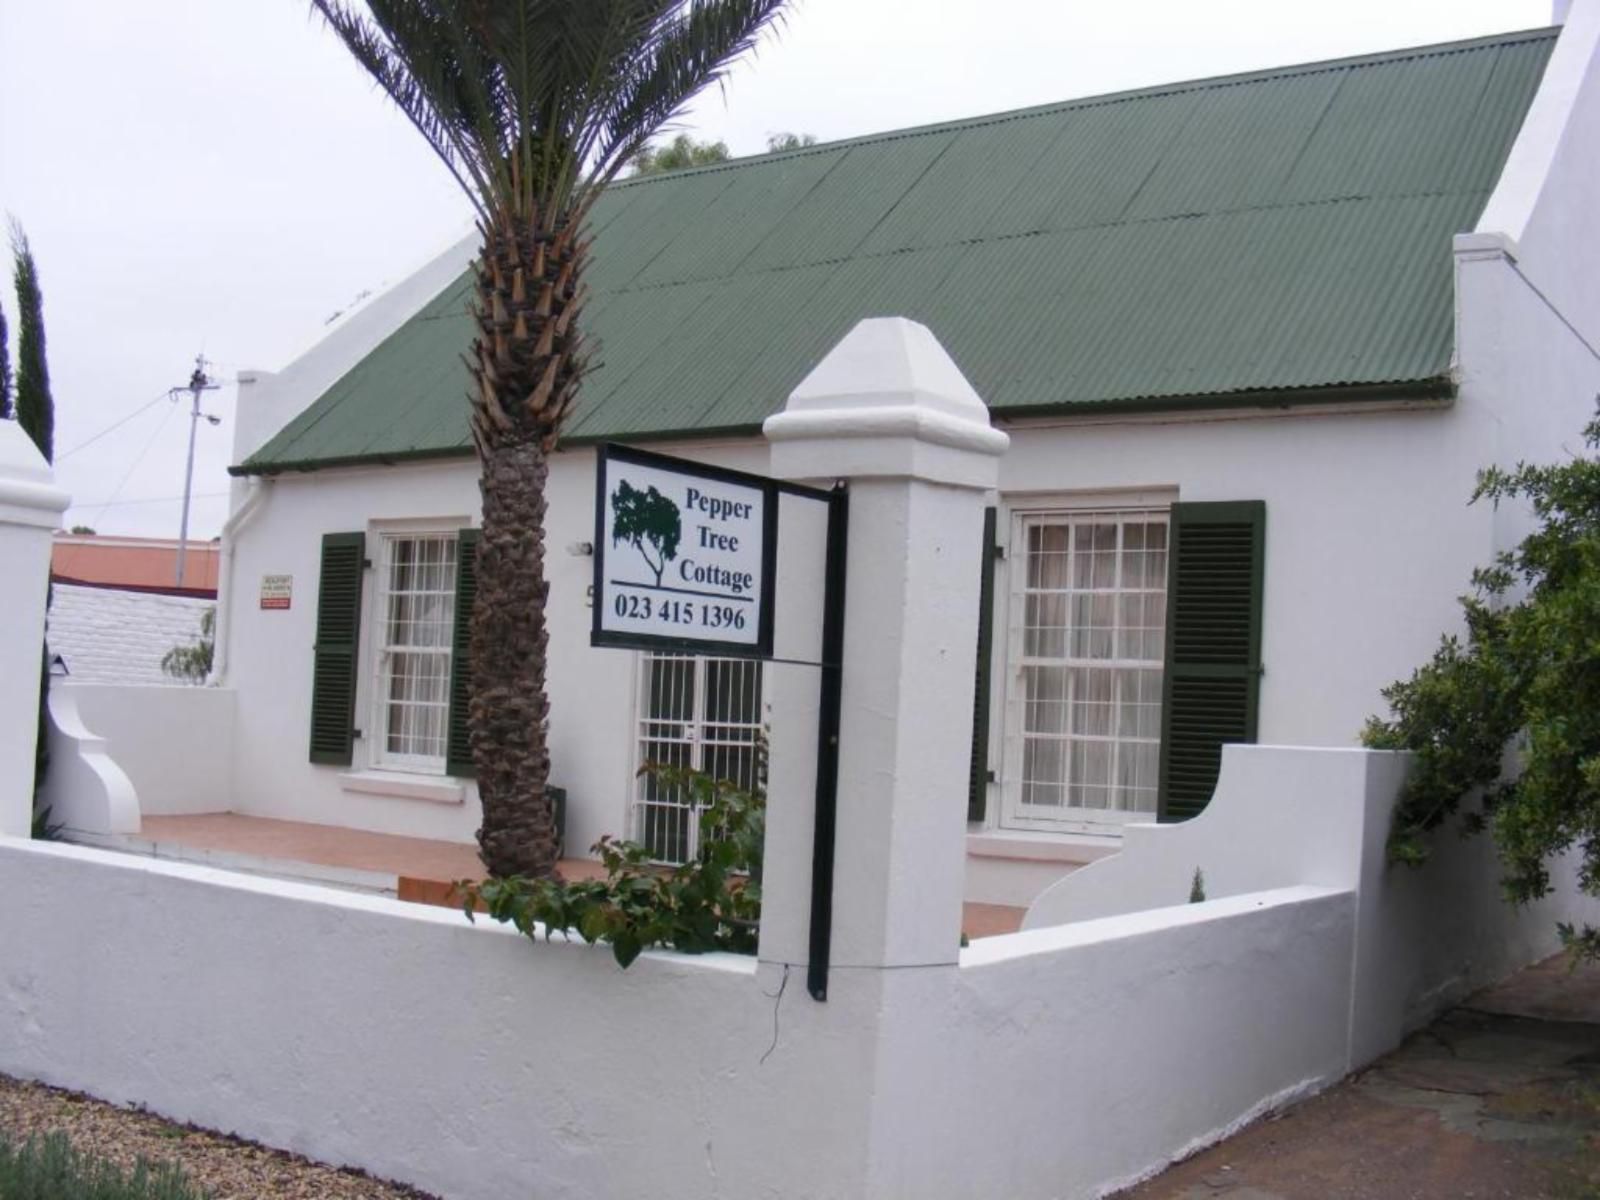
534, 106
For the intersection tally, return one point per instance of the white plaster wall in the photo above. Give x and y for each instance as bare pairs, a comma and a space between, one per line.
398, 1038
1547, 201
1285, 816
84, 791
592, 729
1048, 1064
1063, 1062
175, 743
30, 508
1368, 537
1430, 937
1525, 365
1369, 540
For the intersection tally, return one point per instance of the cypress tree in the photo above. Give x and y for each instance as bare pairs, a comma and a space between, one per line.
35, 410
5, 369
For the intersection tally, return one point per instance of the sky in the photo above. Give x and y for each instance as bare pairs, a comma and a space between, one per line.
217, 177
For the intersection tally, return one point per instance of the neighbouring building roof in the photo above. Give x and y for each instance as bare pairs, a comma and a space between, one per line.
1275, 237
140, 564
109, 636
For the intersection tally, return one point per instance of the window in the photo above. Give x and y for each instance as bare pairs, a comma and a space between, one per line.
416, 620
704, 713
1087, 638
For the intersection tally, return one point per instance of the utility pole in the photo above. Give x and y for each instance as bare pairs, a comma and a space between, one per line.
199, 382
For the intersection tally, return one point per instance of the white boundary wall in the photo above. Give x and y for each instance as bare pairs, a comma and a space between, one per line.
463, 1060
1284, 816
174, 742
1055, 1062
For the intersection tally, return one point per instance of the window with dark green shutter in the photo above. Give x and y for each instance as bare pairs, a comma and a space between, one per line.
1213, 654
978, 779
458, 755
337, 647
1088, 588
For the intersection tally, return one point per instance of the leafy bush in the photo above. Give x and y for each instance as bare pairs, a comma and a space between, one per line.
191, 662
710, 903
1523, 691
49, 1168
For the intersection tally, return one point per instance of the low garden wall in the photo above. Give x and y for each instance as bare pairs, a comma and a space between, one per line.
175, 743
463, 1060
1286, 815
1065, 1062
399, 1038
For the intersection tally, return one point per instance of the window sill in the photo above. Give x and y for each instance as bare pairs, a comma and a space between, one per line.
441, 789
1043, 847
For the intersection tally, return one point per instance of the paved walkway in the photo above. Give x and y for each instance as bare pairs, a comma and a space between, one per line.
1497, 1099
419, 869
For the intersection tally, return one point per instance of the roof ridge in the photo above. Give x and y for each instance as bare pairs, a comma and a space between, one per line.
1178, 87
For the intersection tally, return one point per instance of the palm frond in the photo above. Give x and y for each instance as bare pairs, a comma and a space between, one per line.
532, 104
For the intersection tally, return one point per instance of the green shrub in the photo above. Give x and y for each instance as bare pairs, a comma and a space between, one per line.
710, 903
1522, 691
49, 1168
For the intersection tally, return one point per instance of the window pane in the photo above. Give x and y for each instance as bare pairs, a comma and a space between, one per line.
1093, 636
418, 606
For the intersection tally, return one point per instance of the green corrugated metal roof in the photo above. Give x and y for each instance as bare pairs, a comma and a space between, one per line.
1283, 234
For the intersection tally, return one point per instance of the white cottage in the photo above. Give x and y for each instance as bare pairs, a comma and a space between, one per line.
1251, 338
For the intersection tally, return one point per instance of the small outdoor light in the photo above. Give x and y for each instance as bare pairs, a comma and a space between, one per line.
580, 549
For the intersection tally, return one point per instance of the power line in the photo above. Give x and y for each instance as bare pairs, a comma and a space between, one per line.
114, 426
134, 466
146, 500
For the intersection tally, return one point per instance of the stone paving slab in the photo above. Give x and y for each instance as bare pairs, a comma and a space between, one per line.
1496, 1100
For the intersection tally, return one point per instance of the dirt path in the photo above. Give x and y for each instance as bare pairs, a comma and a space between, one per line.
230, 1169
1497, 1099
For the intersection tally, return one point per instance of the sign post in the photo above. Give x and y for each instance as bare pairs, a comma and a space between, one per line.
684, 556
684, 561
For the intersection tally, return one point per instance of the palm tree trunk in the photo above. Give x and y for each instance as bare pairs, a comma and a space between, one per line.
510, 711
526, 364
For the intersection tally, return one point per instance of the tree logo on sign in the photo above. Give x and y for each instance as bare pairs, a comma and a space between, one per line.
646, 517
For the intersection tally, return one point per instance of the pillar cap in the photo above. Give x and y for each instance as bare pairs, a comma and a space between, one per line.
886, 401
28, 494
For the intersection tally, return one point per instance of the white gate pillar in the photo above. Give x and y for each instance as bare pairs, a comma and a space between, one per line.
888, 411
30, 510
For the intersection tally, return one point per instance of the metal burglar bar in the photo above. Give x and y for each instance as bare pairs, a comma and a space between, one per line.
702, 713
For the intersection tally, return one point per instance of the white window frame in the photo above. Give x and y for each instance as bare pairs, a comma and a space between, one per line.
377, 675
1019, 513
647, 731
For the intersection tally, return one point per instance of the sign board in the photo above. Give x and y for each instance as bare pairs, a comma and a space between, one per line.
276, 590
684, 555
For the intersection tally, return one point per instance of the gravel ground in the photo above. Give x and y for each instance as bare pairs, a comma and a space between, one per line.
229, 1168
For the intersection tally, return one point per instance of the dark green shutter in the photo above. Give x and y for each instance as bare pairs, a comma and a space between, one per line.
1213, 656
458, 753
333, 668
978, 779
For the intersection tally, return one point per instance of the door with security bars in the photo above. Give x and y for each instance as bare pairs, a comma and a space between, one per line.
701, 713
